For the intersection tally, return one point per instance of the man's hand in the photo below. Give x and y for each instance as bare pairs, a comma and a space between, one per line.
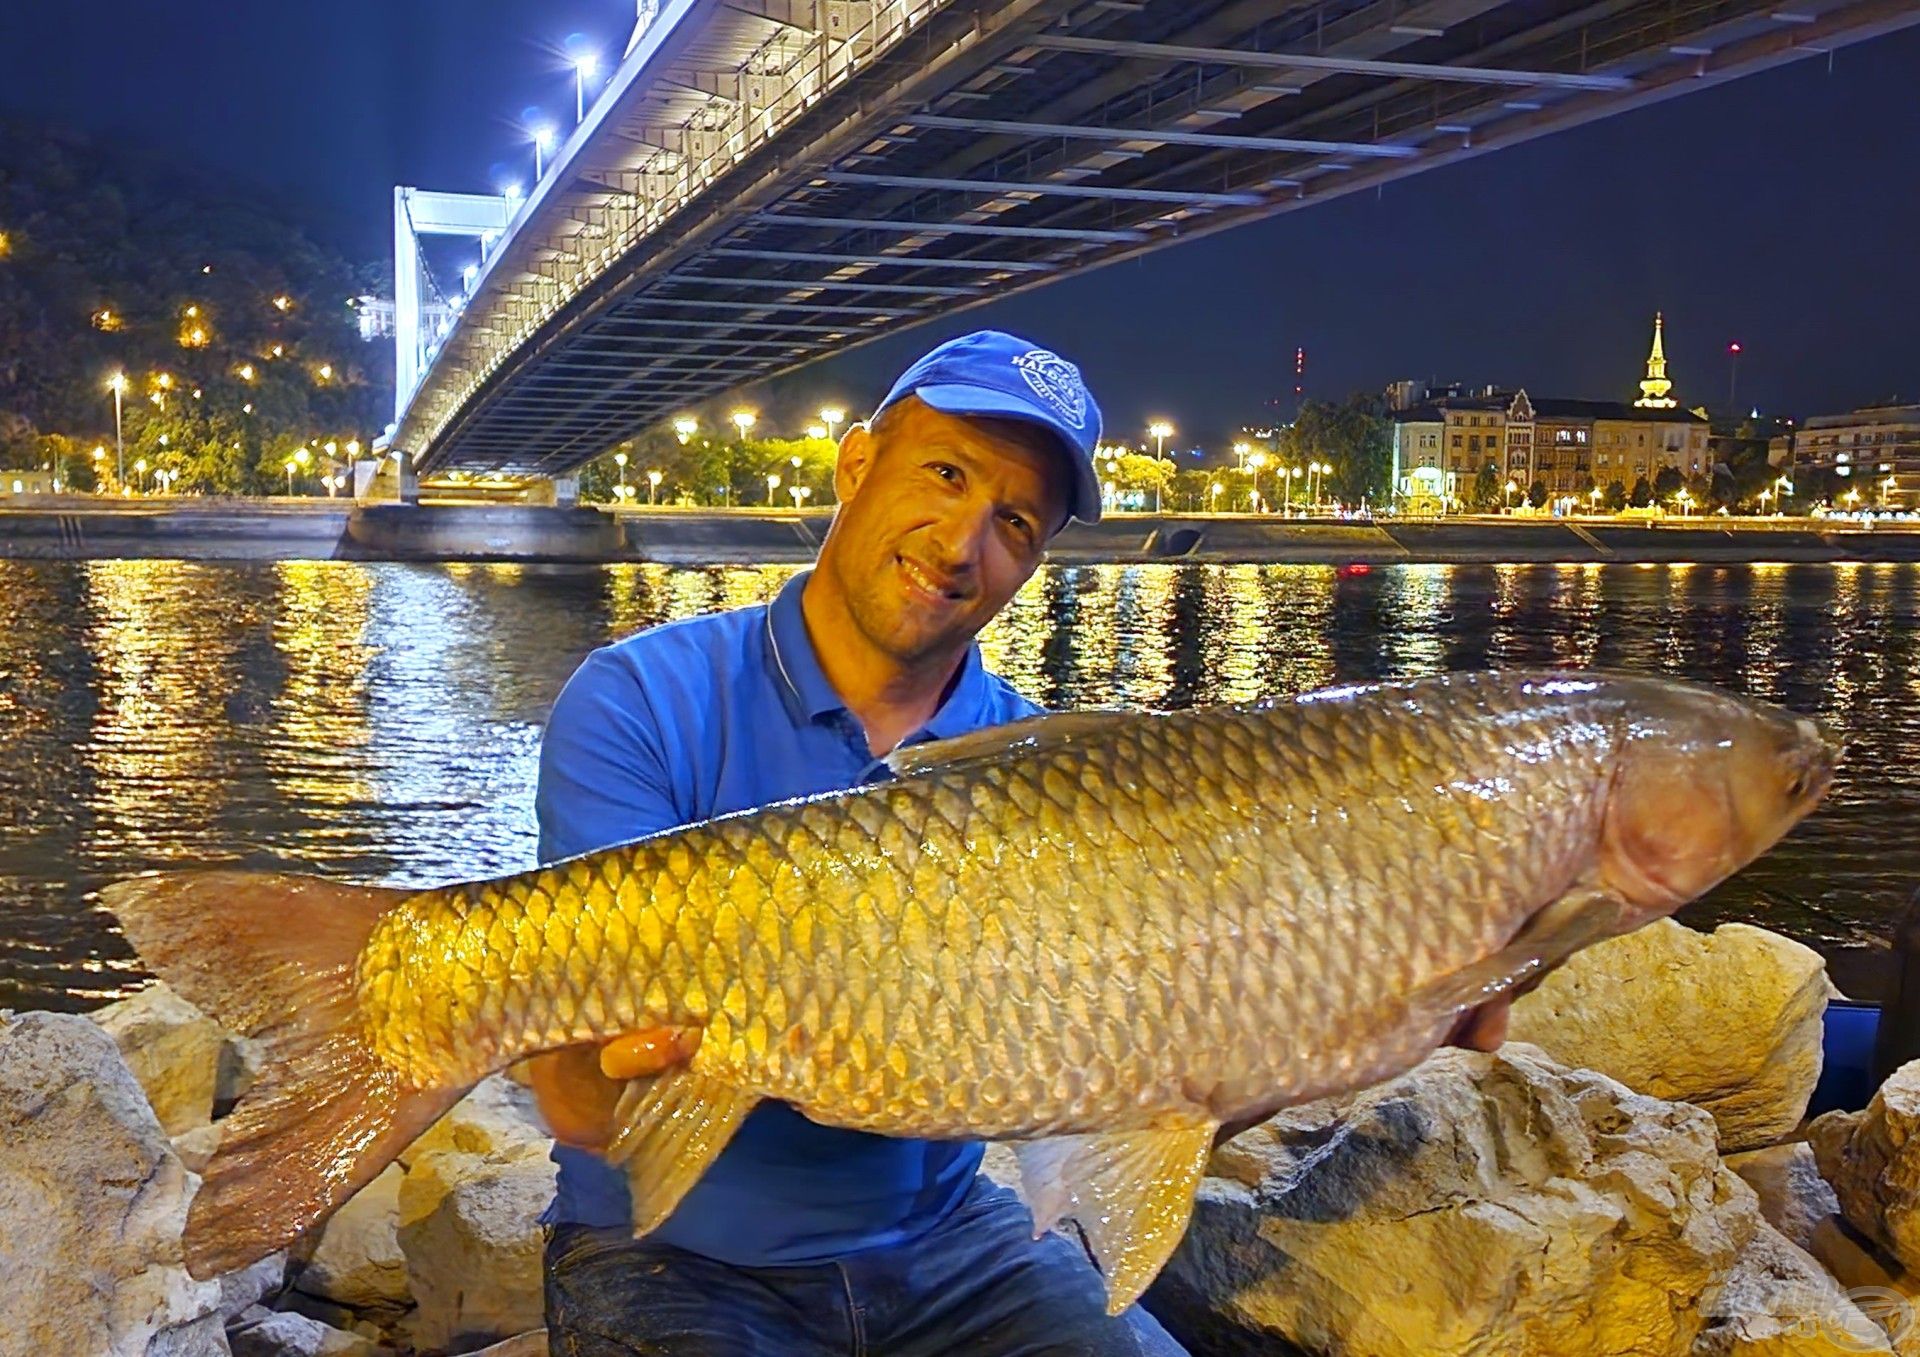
578, 1087
1483, 1028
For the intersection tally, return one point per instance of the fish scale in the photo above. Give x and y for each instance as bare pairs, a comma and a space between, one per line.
1270, 891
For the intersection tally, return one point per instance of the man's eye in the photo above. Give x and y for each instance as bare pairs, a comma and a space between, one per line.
1019, 524
946, 471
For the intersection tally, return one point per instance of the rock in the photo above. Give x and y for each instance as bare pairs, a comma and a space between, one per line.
285, 1334
1873, 1162
1482, 1203
530, 1344
173, 1049
1793, 1196
92, 1204
1729, 1021
496, 1120
241, 1291
196, 1147
1777, 1302
357, 1261
240, 1060
470, 1230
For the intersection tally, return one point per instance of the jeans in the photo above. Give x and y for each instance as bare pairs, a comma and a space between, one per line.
978, 1283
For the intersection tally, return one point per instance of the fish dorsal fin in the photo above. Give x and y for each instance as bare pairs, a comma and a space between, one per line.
1131, 1193
670, 1127
1034, 735
1581, 917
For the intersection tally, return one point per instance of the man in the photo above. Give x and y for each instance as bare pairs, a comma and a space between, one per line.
800, 1238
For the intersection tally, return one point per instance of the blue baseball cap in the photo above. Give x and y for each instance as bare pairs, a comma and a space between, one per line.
990, 372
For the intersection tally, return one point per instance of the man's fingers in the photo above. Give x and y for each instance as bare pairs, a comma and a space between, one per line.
635, 1055
1485, 1028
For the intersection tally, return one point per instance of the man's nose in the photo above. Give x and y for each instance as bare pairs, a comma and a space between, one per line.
961, 534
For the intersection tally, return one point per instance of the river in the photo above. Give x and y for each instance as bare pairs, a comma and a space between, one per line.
383, 721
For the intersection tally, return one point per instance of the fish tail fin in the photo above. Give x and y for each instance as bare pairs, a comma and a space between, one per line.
272, 955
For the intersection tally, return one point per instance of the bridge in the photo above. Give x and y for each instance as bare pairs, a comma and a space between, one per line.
761, 183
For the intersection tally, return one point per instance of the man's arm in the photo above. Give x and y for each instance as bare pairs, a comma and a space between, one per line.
604, 780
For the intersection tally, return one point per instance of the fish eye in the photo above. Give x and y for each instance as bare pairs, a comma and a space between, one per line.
1798, 787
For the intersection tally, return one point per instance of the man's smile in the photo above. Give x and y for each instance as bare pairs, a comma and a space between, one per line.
937, 587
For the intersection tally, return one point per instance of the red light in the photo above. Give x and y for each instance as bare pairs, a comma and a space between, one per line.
1352, 568
1733, 348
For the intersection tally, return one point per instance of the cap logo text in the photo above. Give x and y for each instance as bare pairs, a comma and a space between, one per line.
1057, 382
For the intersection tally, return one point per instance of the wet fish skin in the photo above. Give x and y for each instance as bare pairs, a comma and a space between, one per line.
1121, 930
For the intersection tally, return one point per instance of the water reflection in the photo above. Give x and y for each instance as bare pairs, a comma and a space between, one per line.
382, 722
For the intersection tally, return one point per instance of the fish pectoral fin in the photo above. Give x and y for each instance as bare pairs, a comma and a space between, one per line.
1035, 734
1581, 917
668, 1128
1130, 1192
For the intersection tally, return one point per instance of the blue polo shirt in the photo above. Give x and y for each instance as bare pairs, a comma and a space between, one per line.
695, 719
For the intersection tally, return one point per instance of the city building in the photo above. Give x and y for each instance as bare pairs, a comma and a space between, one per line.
1877, 448
1442, 439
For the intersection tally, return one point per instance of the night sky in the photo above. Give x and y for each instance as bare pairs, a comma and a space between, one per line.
1780, 211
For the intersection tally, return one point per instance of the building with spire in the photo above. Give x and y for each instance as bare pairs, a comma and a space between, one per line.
1655, 386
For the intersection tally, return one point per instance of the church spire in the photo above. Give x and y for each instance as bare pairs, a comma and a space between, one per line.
1653, 390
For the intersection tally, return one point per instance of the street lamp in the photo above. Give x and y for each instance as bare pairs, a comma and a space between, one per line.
583, 68
1213, 496
744, 420
1765, 495
1733, 374
542, 143
1160, 431
620, 460
1241, 450
1684, 500
833, 417
816, 431
685, 428
654, 478
1256, 461
292, 466
773, 484
1510, 488
118, 385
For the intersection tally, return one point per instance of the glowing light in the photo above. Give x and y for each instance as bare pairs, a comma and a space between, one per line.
816, 431
744, 420
245, 372
283, 303
325, 372
685, 427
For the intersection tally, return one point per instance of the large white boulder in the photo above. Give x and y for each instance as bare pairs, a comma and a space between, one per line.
1872, 1159
92, 1204
1487, 1203
469, 1227
1729, 1021
357, 1260
173, 1049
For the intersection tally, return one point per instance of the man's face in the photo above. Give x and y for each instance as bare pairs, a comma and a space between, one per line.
941, 520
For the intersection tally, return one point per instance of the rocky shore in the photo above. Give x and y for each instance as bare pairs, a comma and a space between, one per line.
1631, 1174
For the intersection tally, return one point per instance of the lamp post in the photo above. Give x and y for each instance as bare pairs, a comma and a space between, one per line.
292, 466
773, 484
620, 460
833, 417
1213, 496
1733, 376
583, 68
542, 143
118, 385
1160, 431
654, 478
684, 428
1255, 462
1507, 504
1241, 450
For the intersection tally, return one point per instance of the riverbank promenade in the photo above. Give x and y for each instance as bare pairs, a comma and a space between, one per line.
86, 528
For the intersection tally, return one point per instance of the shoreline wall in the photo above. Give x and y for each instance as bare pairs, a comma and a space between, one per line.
481, 532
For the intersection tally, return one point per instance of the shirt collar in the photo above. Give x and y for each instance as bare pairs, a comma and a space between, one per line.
809, 695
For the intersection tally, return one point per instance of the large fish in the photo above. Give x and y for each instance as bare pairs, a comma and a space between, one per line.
1100, 935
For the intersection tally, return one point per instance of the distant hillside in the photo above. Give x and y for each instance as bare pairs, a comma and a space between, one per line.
119, 263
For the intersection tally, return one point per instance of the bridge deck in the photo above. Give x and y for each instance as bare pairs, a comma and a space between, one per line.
769, 181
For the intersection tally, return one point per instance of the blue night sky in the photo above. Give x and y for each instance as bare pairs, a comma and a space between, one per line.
1779, 211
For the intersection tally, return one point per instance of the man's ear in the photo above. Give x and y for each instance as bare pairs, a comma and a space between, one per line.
857, 450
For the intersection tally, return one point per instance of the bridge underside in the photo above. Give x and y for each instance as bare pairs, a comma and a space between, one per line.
1002, 145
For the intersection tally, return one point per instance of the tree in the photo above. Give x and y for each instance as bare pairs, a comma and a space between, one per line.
1537, 494
1615, 497
1668, 482
1487, 495
1642, 494
1354, 437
